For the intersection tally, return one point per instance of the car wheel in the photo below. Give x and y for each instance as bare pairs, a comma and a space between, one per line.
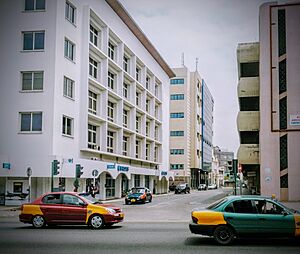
150, 200
38, 221
223, 235
96, 221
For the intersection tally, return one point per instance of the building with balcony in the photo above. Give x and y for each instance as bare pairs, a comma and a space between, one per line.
248, 119
82, 85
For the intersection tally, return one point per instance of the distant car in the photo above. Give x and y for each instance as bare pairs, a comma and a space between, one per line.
182, 188
61, 208
212, 186
202, 186
138, 195
236, 216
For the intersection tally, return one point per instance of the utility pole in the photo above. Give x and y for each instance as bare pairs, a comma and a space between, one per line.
234, 166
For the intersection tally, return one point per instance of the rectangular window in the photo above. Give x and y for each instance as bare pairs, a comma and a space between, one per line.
147, 82
281, 33
93, 68
249, 137
17, 187
249, 103
31, 122
283, 152
147, 181
125, 118
138, 74
283, 113
176, 151
33, 40
284, 181
156, 132
67, 126
155, 153
176, 133
125, 145
282, 76
69, 50
34, 5
137, 98
92, 103
148, 105
125, 90
126, 63
137, 124
70, 12
156, 90
32, 80
111, 80
147, 129
137, 149
110, 141
176, 166
178, 81
111, 50
177, 115
147, 151
177, 97
94, 35
137, 180
69, 88
249, 69
92, 136
156, 111
110, 111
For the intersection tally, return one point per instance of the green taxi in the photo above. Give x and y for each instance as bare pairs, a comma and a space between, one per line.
236, 216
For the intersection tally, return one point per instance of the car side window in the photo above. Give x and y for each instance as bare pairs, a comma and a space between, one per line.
267, 207
72, 200
229, 208
52, 199
243, 206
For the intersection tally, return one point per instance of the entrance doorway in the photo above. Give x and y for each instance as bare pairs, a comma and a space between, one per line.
110, 185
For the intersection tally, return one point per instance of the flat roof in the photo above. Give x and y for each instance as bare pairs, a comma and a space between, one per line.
134, 28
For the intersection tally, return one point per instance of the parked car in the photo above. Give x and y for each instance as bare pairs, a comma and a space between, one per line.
236, 216
182, 188
202, 186
69, 208
138, 195
172, 187
212, 186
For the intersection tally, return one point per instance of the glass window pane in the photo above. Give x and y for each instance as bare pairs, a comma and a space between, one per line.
29, 5
40, 4
37, 122
38, 81
66, 48
27, 81
25, 122
39, 40
28, 41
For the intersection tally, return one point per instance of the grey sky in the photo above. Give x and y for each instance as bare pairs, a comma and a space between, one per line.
211, 31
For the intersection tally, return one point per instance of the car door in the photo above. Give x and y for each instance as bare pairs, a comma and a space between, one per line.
74, 209
242, 216
51, 208
274, 219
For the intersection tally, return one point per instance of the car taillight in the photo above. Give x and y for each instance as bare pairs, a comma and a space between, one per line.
194, 219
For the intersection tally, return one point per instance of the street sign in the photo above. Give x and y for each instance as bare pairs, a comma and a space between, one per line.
6, 165
95, 172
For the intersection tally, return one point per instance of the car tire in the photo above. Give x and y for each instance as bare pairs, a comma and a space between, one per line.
38, 221
96, 221
223, 235
150, 200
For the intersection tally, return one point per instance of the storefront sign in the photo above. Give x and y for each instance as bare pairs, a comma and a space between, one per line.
164, 173
294, 120
111, 166
123, 168
6, 165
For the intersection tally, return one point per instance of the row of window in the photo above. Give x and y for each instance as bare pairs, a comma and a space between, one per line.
177, 97
176, 151
177, 115
176, 166
176, 133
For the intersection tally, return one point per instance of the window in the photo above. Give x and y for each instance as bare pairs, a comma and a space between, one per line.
156, 111
69, 50
33, 40
93, 68
71, 200
155, 153
283, 118
31, 122
138, 74
242, 206
283, 152
110, 111
17, 187
32, 81
34, 5
176, 166
92, 135
177, 97
147, 82
111, 80
249, 103
125, 90
68, 88
267, 207
111, 50
110, 141
67, 126
156, 132
147, 151
125, 145
92, 103
282, 76
52, 199
126, 63
147, 105
137, 180
94, 35
147, 181
125, 118
137, 124
177, 115
249, 69
137, 98
176, 133
70, 12
137, 149
178, 81
176, 151
249, 137
281, 32
156, 90
147, 129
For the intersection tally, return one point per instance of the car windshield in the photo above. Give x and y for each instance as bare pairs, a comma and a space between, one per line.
182, 186
137, 190
216, 204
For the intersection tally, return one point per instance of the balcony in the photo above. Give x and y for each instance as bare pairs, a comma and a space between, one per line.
248, 154
248, 87
248, 121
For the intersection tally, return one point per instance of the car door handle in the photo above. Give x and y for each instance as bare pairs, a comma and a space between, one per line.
262, 219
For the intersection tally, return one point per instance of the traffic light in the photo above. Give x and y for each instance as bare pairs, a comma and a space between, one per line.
78, 170
55, 167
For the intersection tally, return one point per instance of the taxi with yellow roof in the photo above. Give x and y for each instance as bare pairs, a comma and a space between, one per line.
237, 216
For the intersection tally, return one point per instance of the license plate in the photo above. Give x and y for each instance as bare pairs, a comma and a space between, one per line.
132, 200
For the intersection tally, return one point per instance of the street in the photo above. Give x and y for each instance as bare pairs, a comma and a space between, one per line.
157, 227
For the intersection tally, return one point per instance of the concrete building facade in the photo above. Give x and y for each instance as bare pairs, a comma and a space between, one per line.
82, 85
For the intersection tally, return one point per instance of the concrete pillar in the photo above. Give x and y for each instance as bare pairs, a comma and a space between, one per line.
142, 182
118, 187
102, 190
151, 184
131, 182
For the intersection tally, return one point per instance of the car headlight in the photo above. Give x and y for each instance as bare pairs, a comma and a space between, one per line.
110, 210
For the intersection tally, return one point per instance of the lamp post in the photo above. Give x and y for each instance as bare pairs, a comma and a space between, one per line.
29, 173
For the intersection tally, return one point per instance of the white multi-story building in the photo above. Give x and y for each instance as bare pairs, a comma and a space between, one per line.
81, 84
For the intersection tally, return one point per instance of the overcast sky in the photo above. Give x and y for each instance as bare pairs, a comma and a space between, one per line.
211, 31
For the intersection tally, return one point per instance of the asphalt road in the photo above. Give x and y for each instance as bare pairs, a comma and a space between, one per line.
157, 227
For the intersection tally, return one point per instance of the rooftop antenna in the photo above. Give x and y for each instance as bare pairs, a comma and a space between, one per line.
182, 59
197, 63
